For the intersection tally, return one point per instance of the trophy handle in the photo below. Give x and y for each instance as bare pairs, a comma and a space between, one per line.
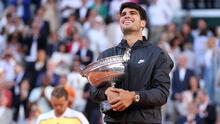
112, 84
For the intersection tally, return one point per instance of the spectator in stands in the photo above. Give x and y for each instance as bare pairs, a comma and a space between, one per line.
51, 15
201, 36
172, 31
77, 82
83, 11
211, 59
100, 7
14, 45
181, 78
100, 43
190, 55
74, 45
192, 116
84, 55
71, 92
180, 83
68, 29
42, 95
186, 33
53, 44
62, 59
160, 16
7, 64
20, 104
34, 114
6, 111
207, 109
50, 70
37, 67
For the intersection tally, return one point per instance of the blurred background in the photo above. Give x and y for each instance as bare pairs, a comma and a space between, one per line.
44, 43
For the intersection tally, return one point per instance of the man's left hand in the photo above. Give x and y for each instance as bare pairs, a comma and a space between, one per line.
123, 101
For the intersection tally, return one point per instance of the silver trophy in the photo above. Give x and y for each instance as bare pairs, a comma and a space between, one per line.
107, 70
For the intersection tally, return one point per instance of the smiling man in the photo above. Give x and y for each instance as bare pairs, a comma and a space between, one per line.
138, 98
61, 113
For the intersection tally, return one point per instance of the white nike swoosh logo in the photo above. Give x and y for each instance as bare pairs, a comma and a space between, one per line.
140, 61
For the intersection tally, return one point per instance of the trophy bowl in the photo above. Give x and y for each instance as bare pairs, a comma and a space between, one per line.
107, 69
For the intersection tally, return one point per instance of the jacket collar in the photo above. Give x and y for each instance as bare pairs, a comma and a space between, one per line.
139, 43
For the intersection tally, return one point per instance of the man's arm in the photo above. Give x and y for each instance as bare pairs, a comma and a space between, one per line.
156, 96
159, 91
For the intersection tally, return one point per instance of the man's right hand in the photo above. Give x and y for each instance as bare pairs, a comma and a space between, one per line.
111, 94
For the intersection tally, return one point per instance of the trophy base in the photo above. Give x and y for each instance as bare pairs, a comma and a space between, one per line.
106, 107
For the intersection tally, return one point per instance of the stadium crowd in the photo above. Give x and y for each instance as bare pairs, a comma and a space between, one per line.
45, 43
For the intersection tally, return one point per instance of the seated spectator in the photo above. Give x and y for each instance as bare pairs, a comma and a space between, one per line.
62, 59
207, 109
77, 82
5, 106
50, 70
34, 114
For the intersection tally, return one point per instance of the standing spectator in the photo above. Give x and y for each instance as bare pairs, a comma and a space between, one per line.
34, 41
160, 16
181, 78
180, 83
186, 33
85, 55
83, 11
21, 112
190, 55
211, 59
201, 36
20, 89
53, 44
51, 15
37, 67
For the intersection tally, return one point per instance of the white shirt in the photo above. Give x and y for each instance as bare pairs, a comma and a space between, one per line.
35, 96
159, 14
182, 74
49, 117
77, 82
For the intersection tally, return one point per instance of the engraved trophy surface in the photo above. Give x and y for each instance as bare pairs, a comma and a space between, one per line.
106, 70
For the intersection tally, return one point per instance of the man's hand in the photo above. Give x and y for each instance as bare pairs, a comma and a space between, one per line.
111, 94
124, 99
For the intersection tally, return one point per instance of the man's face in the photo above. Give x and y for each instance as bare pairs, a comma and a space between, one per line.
59, 105
130, 20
